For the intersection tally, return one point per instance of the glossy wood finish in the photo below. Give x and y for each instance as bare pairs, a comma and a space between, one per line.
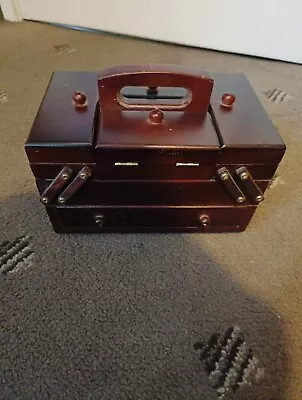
119, 130
245, 129
61, 132
111, 80
153, 165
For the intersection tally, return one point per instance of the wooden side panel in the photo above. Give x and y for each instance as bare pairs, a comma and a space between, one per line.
244, 156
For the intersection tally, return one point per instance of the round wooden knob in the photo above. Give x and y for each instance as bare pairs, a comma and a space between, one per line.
79, 98
227, 100
156, 116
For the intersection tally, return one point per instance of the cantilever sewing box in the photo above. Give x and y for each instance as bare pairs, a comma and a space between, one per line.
159, 148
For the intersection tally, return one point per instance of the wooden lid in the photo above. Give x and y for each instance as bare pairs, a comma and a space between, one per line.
245, 123
63, 124
222, 113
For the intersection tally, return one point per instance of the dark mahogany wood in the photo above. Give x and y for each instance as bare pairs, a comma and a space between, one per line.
165, 171
154, 138
140, 219
176, 193
119, 130
245, 129
62, 132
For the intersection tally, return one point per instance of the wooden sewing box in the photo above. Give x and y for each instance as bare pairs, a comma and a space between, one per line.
159, 148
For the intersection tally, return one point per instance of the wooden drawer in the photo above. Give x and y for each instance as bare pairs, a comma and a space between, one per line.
155, 218
159, 193
205, 171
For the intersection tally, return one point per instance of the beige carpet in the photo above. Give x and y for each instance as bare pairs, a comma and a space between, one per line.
117, 317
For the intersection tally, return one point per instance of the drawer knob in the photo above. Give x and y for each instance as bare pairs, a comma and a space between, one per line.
204, 220
99, 220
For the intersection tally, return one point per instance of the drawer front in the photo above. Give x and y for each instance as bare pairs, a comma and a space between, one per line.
128, 219
167, 193
183, 171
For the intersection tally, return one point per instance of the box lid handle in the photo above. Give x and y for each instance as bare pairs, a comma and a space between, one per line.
198, 84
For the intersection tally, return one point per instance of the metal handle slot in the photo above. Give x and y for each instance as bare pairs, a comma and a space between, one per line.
160, 97
154, 93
